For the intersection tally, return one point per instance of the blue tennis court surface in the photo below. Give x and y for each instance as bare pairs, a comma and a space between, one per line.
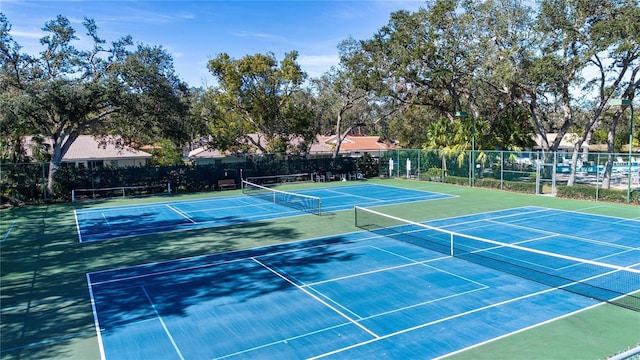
357, 295
106, 223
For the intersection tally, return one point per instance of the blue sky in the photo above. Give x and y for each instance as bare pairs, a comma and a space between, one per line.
196, 31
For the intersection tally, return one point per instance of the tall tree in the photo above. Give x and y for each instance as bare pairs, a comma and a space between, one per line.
611, 32
255, 95
344, 96
436, 58
117, 93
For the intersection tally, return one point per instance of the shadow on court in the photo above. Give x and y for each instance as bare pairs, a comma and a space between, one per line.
178, 285
46, 312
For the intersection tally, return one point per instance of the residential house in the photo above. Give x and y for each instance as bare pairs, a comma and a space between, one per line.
352, 145
567, 144
358, 145
87, 151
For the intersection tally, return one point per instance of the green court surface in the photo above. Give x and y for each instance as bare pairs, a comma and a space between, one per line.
45, 304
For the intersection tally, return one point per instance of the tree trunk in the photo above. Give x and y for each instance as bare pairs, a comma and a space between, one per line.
60, 145
54, 166
336, 150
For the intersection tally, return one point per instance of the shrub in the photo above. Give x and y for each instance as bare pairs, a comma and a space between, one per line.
587, 192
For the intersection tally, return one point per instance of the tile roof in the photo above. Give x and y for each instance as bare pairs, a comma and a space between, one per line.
359, 143
323, 144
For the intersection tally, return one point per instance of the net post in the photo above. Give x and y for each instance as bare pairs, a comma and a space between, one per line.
451, 239
168, 188
73, 195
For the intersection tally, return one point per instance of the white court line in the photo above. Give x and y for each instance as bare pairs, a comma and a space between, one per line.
181, 213
164, 272
245, 205
394, 200
220, 262
162, 203
396, 188
318, 299
9, 231
283, 341
343, 194
517, 331
414, 263
361, 318
75, 215
207, 224
328, 299
95, 319
166, 330
475, 220
429, 324
551, 233
106, 220
620, 219
425, 303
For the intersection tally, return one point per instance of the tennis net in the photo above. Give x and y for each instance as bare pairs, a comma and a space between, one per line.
278, 179
119, 192
617, 285
310, 204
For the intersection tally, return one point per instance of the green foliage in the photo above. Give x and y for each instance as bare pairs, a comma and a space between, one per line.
433, 174
23, 182
457, 180
585, 192
129, 95
183, 178
165, 153
367, 165
528, 187
256, 95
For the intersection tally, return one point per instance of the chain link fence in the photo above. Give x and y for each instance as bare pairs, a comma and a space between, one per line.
595, 176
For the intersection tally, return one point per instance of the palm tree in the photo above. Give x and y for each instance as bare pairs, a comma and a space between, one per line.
448, 137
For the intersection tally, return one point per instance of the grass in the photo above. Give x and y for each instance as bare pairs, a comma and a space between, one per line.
46, 310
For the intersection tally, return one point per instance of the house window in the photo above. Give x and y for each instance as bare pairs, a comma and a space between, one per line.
92, 164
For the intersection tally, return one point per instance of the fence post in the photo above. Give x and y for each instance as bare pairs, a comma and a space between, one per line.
597, 176
44, 183
501, 169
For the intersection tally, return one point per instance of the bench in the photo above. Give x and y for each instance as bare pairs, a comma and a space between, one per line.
224, 184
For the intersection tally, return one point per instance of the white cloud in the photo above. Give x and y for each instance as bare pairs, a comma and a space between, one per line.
258, 35
319, 60
316, 65
26, 34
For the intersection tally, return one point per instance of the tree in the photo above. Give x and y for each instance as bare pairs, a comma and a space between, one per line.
441, 58
129, 96
575, 35
342, 100
448, 139
256, 95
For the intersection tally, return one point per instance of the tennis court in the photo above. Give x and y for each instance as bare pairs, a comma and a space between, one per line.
365, 294
94, 224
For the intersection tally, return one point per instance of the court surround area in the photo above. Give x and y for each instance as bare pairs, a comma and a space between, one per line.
107, 280
355, 295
